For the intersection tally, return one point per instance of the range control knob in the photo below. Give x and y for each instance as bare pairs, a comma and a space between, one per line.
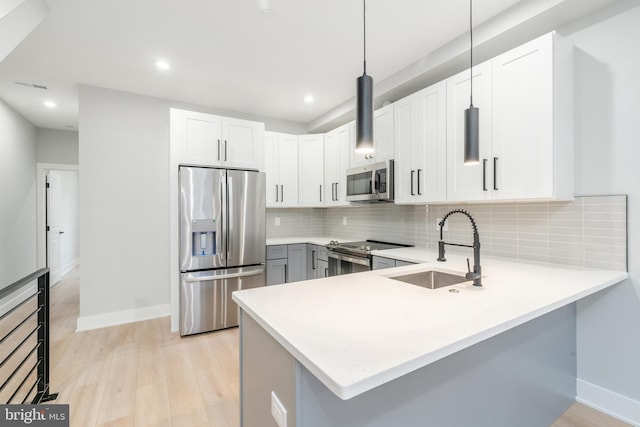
363, 248
368, 248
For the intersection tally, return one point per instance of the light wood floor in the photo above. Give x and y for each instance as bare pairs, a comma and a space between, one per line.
141, 374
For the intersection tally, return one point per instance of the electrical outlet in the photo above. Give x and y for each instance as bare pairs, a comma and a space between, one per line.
278, 411
344, 220
277, 221
437, 226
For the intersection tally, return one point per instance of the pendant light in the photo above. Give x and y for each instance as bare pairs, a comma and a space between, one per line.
471, 114
364, 101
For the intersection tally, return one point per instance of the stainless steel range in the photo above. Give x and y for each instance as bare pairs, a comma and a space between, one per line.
354, 257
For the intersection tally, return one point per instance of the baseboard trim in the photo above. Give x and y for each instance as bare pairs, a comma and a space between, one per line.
97, 321
17, 297
70, 266
608, 402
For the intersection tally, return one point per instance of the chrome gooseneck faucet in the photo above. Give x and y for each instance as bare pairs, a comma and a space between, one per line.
474, 275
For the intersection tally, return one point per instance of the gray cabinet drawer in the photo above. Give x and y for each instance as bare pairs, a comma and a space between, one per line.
379, 263
323, 254
401, 263
276, 251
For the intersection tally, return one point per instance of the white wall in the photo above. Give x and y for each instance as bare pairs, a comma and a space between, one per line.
124, 208
17, 196
607, 71
57, 146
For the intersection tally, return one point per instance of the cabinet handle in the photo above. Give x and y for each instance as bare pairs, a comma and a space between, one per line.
282, 192
320, 192
484, 174
412, 173
313, 260
286, 280
218, 150
419, 193
495, 173
325, 272
337, 198
225, 150
277, 200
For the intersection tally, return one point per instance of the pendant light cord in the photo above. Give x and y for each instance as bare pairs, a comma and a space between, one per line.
364, 20
471, 50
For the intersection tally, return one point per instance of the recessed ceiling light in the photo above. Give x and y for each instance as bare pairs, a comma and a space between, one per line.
162, 64
308, 99
49, 104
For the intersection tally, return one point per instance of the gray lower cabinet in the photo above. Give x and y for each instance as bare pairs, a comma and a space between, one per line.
297, 262
305, 261
277, 259
312, 262
379, 263
276, 271
293, 263
323, 268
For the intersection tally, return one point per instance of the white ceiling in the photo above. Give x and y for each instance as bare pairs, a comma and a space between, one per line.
223, 53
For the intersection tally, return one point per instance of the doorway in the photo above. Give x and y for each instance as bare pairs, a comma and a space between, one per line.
58, 247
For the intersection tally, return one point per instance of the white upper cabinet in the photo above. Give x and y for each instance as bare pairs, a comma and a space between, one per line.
421, 150
336, 163
466, 182
281, 168
208, 140
526, 125
532, 125
311, 167
243, 143
383, 136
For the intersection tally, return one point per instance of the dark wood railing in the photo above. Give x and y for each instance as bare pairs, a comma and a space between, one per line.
42, 341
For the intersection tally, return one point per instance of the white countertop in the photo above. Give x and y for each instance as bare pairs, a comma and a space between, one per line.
356, 332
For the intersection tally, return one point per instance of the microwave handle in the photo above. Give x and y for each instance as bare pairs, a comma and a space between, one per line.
376, 177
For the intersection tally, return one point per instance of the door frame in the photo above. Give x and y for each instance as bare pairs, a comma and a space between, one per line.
41, 206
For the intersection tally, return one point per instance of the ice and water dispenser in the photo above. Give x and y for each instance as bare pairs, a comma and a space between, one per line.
203, 237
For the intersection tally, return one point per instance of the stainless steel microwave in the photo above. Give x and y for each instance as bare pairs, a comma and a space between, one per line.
371, 183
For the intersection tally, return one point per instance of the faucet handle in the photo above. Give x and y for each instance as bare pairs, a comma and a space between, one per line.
468, 266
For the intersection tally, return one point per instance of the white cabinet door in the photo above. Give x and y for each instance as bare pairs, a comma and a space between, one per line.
421, 146
281, 168
196, 137
406, 140
383, 138
466, 182
311, 170
336, 161
208, 140
242, 143
431, 150
288, 169
523, 116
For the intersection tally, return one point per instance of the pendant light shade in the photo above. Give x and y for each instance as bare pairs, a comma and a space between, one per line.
471, 137
364, 101
364, 117
471, 114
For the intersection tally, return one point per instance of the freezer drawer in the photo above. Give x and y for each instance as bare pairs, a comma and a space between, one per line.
205, 297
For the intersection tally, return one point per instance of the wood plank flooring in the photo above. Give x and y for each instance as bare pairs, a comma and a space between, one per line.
141, 374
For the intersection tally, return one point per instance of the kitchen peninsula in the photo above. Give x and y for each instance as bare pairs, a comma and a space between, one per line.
364, 350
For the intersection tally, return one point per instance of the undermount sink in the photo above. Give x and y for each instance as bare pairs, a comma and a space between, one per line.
431, 279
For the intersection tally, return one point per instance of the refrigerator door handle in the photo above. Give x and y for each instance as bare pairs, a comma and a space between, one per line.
224, 276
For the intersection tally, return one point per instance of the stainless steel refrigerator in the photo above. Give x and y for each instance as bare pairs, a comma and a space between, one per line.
222, 244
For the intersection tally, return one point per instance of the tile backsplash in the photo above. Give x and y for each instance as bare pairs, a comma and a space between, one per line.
588, 231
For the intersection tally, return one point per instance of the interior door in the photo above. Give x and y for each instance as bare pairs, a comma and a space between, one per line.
54, 233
